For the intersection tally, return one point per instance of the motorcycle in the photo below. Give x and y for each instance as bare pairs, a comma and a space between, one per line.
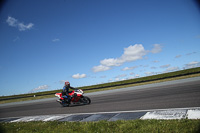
76, 98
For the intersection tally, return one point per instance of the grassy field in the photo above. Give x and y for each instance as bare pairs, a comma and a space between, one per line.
131, 126
194, 72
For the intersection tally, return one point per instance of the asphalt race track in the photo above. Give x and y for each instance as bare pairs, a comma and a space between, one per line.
155, 96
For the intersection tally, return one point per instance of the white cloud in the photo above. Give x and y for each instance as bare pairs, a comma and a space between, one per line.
132, 73
129, 68
191, 53
117, 79
56, 40
150, 73
43, 87
120, 76
192, 64
165, 66
131, 53
21, 26
12, 21
131, 77
100, 68
157, 48
78, 76
126, 68
171, 69
137, 75
111, 62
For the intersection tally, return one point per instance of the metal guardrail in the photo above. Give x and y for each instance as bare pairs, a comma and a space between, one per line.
101, 87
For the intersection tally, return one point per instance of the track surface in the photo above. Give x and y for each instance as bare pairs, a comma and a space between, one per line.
179, 95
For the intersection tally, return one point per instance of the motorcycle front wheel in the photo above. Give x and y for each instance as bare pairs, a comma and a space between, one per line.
86, 100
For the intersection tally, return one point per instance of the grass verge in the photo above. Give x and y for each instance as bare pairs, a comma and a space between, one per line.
131, 126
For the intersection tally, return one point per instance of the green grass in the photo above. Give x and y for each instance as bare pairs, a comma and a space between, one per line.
108, 86
131, 126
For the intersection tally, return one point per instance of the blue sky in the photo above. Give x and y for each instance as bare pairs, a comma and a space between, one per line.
46, 42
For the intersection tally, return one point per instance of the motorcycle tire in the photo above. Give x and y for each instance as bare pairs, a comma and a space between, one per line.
65, 103
86, 100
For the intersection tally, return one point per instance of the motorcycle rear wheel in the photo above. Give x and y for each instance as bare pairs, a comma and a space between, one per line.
65, 104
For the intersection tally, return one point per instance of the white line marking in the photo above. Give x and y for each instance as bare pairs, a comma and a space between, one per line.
193, 114
53, 118
165, 115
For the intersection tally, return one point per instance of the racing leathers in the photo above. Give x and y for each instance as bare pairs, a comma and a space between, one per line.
65, 92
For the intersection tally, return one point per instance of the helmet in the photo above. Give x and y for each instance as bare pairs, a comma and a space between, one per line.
67, 83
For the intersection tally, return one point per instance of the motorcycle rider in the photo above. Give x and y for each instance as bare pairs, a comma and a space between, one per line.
65, 91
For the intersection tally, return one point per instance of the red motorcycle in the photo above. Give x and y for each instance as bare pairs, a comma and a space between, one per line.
76, 98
